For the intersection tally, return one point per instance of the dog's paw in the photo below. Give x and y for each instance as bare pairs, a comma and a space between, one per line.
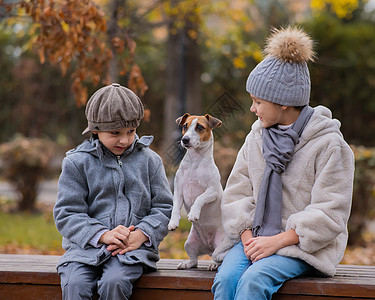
187, 264
213, 266
193, 215
218, 256
173, 224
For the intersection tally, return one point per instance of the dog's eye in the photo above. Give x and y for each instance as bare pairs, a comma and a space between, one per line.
185, 126
199, 127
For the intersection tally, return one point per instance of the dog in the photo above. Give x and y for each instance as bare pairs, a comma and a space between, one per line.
197, 186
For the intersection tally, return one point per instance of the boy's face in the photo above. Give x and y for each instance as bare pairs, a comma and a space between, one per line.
117, 141
268, 113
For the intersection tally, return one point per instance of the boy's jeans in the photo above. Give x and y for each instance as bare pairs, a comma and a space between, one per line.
112, 280
238, 278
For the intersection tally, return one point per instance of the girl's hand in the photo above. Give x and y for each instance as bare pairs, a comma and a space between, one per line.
246, 236
264, 246
261, 247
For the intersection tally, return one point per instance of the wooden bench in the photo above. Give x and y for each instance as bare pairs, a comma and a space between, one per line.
34, 277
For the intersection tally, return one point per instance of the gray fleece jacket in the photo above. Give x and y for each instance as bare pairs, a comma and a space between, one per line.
98, 190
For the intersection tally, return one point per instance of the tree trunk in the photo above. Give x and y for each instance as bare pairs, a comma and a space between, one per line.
183, 87
113, 31
173, 102
193, 65
27, 186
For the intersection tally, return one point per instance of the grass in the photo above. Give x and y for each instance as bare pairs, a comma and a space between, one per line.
173, 244
23, 232
37, 234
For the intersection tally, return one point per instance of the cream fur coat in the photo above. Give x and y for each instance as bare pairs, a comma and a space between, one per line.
317, 191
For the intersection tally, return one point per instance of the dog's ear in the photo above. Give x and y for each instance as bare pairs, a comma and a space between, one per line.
212, 121
181, 120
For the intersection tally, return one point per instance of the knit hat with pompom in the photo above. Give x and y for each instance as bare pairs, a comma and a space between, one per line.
283, 76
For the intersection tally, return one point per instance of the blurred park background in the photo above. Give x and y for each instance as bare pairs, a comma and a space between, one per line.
178, 56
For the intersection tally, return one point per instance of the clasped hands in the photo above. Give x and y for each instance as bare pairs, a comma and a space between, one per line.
123, 239
256, 248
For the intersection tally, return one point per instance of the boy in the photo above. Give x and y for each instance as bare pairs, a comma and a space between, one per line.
288, 198
114, 201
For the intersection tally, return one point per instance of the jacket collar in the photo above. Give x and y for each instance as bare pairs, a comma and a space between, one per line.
138, 143
96, 148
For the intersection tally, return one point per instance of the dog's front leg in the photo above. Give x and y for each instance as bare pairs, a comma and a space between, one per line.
207, 196
177, 204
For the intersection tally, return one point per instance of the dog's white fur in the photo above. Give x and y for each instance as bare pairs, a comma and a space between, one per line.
197, 186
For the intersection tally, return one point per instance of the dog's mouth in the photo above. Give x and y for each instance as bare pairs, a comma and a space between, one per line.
188, 143
186, 146
185, 142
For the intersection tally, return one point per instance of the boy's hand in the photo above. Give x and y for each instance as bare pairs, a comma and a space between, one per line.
117, 236
135, 240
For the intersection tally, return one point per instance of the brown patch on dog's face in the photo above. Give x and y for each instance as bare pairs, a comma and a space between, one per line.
187, 123
203, 129
203, 126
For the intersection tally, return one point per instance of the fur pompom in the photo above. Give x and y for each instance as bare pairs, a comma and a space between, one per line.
290, 44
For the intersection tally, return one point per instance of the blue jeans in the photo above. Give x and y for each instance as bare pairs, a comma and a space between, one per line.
239, 278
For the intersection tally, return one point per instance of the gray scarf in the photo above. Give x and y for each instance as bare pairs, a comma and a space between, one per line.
278, 149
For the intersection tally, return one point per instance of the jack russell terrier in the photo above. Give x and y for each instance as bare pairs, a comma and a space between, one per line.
197, 186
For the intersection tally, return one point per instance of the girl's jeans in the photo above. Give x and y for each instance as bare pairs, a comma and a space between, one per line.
240, 279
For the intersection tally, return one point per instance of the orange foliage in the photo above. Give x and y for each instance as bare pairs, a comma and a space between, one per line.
136, 81
72, 34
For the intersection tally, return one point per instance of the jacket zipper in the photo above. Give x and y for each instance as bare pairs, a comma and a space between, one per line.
118, 157
118, 160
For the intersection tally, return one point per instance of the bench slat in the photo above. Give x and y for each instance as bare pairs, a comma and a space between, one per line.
35, 275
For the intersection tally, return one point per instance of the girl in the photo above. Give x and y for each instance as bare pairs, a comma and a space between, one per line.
288, 198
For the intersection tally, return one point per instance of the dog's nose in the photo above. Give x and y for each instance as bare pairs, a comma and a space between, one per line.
185, 140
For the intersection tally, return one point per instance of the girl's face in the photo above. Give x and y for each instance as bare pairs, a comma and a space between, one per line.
268, 113
117, 141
